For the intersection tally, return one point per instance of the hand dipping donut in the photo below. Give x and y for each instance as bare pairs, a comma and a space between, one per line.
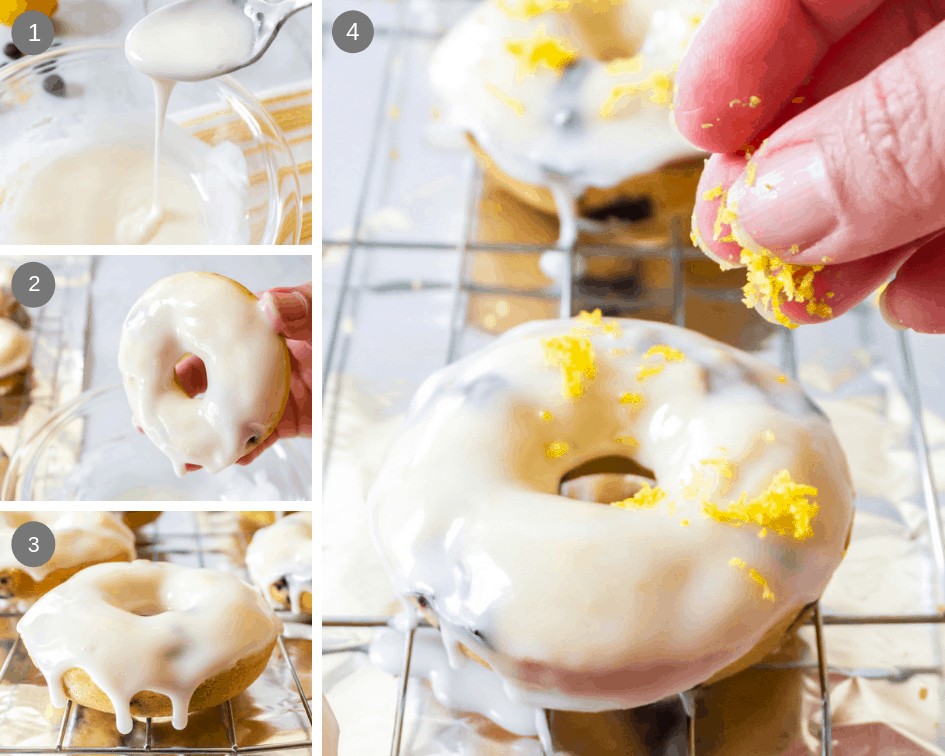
247, 366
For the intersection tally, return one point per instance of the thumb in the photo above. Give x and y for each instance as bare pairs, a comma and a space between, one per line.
859, 173
290, 311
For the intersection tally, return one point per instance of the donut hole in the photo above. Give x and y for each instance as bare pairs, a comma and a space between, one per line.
606, 480
148, 610
191, 374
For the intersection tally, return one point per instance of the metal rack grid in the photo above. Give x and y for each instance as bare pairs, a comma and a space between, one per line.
153, 547
344, 320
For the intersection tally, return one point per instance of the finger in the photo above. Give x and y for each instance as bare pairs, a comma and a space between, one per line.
192, 468
841, 287
266, 443
746, 48
290, 311
913, 298
858, 174
192, 374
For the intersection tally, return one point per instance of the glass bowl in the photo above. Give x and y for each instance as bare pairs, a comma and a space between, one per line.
89, 450
99, 79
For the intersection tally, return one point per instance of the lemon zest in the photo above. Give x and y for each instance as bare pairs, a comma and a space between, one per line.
783, 507
540, 50
556, 449
575, 357
645, 498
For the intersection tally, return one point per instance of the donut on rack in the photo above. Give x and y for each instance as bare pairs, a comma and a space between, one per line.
279, 560
733, 508
149, 639
82, 539
247, 364
568, 102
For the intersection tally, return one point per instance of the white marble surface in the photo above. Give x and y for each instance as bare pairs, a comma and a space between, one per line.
288, 60
118, 280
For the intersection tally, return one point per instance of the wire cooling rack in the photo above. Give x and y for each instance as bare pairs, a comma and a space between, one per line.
152, 544
405, 26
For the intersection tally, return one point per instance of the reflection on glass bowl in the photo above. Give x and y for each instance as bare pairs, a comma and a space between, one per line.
89, 450
98, 80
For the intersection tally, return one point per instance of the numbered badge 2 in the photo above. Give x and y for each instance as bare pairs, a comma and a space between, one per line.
33, 284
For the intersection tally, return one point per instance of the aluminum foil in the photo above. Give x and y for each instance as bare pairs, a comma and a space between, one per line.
270, 712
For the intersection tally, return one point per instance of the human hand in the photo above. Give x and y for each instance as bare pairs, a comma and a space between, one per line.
852, 102
290, 312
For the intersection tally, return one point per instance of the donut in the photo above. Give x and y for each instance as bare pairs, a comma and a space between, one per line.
16, 352
135, 520
149, 639
330, 730
82, 539
735, 509
259, 519
247, 363
566, 101
279, 560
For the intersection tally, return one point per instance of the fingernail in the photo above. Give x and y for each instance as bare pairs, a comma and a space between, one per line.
788, 202
887, 315
286, 306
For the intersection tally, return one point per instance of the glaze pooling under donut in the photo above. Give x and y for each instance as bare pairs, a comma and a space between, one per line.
247, 369
553, 106
584, 606
146, 626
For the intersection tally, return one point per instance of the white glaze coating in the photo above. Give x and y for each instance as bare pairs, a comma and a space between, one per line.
247, 364
283, 551
558, 132
81, 538
146, 626
583, 606
16, 348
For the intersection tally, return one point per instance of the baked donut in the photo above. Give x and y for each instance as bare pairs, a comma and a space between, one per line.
566, 101
279, 560
82, 539
135, 520
247, 363
737, 512
149, 639
16, 353
259, 519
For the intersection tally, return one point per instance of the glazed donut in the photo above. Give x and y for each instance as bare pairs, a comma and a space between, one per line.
16, 352
737, 511
247, 369
149, 639
82, 539
135, 520
279, 560
568, 98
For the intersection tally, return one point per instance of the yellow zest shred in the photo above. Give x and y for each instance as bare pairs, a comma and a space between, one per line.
631, 398
754, 102
769, 436
510, 102
723, 216
658, 86
546, 416
666, 352
756, 576
794, 249
713, 193
728, 238
782, 379
771, 282
735, 102
645, 371
750, 173
736, 562
707, 125
726, 468
645, 498
525, 9
763, 532
540, 50
590, 318
575, 357
684, 522
625, 65
556, 449
595, 320
783, 507
628, 440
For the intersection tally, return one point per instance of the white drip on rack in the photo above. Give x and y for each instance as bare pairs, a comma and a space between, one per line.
363, 252
153, 548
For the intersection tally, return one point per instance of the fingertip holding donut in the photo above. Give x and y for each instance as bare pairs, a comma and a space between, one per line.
247, 363
885, 312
